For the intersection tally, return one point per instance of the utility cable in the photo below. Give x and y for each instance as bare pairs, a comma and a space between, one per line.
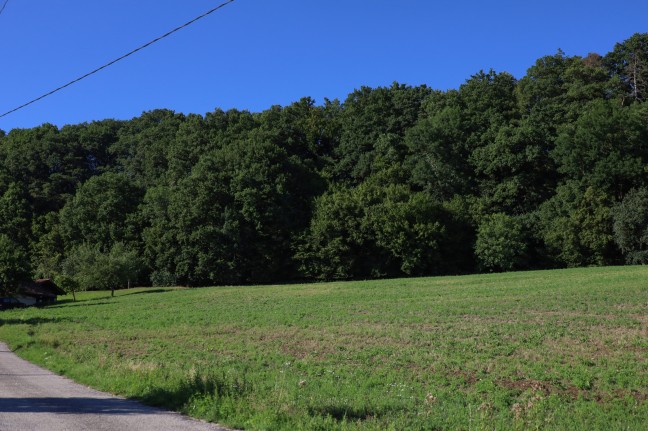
4, 6
169, 33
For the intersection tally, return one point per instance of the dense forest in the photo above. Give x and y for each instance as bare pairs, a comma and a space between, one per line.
547, 171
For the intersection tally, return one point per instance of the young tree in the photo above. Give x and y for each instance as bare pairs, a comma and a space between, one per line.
68, 284
93, 269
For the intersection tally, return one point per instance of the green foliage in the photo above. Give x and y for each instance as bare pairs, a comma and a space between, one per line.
103, 211
577, 226
437, 154
92, 269
14, 265
556, 88
629, 63
366, 115
397, 180
500, 243
69, 284
48, 247
514, 170
631, 226
16, 214
143, 145
605, 147
488, 102
233, 219
49, 163
374, 231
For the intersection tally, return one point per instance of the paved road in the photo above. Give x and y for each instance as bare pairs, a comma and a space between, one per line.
34, 399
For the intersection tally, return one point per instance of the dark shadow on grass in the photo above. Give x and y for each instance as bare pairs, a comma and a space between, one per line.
66, 301
353, 414
83, 303
101, 406
34, 320
217, 386
146, 292
71, 302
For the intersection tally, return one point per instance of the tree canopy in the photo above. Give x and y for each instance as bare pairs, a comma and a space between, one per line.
548, 170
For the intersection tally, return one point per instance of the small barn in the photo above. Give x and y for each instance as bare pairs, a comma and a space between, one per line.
39, 292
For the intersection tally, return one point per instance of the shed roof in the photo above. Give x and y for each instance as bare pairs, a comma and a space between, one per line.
43, 287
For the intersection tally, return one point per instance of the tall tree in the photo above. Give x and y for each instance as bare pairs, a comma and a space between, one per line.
501, 243
144, 143
104, 211
233, 219
576, 226
606, 147
628, 62
16, 214
437, 151
631, 226
366, 115
48, 165
14, 265
375, 230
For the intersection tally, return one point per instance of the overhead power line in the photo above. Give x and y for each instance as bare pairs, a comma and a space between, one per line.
4, 5
74, 81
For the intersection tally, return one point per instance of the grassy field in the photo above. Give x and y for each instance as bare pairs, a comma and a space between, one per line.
565, 350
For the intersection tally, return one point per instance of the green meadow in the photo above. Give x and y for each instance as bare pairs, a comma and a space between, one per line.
551, 350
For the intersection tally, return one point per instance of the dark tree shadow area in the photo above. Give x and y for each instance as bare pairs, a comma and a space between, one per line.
69, 304
33, 320
107, 406
147, 292
342, 412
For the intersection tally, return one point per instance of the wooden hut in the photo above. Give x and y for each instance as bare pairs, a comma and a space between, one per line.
39, 292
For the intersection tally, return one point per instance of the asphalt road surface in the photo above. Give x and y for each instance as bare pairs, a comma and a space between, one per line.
34, 399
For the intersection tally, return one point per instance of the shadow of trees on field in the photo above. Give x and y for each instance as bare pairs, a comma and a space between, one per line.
348, 413
33, 320
102, 406
82, 303
69, 302
146, 292
215, 386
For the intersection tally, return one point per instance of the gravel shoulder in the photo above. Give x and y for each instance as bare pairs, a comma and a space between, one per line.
32, 398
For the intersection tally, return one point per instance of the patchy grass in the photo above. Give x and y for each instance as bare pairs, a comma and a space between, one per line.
555, 350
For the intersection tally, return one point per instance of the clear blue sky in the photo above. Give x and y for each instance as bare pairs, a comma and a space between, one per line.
256, 53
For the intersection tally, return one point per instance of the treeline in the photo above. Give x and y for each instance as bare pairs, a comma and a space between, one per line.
546, 171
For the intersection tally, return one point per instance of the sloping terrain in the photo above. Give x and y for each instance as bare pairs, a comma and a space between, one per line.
564, 349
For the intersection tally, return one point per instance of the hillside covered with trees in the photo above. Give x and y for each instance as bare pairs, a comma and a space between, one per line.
547, 171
